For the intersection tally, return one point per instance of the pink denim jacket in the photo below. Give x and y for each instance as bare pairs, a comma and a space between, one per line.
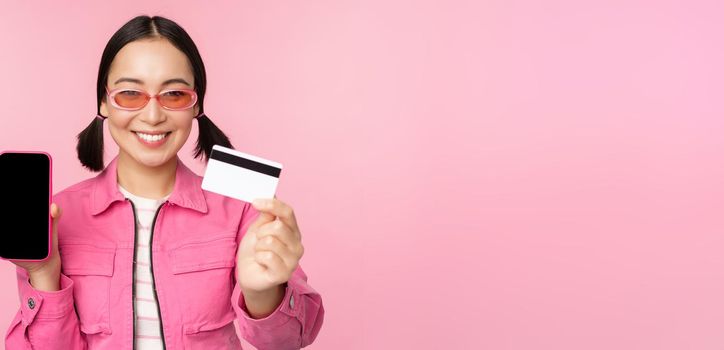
193, 253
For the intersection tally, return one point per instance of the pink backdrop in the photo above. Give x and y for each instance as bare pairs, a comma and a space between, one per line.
466, 174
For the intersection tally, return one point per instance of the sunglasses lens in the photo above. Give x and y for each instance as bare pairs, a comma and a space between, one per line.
177, 99
130, 99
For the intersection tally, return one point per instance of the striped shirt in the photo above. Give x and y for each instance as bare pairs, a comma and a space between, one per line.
148, 330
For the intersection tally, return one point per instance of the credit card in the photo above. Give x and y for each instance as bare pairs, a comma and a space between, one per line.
240, 175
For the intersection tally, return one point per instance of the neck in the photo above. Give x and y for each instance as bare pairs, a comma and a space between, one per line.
144, 181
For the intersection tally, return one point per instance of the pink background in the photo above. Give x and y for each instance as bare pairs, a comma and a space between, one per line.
466, 174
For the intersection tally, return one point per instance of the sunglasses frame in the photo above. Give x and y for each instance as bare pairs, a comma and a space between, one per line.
112, 93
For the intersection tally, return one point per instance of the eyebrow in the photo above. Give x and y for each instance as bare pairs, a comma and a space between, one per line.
138, 81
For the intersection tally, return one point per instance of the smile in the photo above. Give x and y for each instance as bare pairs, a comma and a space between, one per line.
151, 139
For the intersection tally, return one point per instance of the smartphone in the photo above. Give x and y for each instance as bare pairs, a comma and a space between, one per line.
25, 198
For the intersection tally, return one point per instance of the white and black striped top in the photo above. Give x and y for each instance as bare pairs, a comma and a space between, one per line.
148, 331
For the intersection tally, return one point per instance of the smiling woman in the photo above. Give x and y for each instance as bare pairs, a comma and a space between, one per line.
147, 56
149, 259
149, 132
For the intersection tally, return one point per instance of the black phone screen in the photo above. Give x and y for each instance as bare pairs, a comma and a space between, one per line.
25, 190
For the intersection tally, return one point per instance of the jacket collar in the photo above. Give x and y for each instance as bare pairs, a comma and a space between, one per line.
186, 193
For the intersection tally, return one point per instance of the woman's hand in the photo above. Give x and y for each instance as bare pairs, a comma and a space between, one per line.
45, 275
268, 254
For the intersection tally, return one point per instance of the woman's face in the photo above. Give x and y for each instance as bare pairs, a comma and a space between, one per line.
150, 62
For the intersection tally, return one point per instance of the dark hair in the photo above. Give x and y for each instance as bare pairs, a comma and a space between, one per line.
90, 140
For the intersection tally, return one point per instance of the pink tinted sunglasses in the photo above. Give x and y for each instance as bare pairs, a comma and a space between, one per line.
135, 99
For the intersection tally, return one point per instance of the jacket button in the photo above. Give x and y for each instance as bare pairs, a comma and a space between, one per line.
291, 301
31, 303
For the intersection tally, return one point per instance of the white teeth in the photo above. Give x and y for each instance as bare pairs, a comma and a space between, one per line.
150, 138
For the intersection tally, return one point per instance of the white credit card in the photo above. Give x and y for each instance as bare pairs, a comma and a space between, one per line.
239, 175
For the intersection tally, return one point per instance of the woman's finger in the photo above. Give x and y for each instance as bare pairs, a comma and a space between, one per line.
284, 233
276, 270
55, 211
272, 244
260, 220
277, 208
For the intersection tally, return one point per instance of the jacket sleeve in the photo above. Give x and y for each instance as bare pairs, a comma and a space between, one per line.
46, 320
296, 321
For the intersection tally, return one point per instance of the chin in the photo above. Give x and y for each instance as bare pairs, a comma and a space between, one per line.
154, 160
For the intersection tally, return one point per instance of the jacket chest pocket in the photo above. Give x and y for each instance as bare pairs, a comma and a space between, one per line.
203, 278
91, 269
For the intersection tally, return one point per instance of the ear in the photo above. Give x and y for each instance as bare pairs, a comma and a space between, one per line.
104, 108
196, 110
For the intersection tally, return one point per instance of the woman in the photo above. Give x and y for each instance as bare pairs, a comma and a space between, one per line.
147, 259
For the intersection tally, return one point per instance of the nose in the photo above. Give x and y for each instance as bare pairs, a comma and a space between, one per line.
153, 113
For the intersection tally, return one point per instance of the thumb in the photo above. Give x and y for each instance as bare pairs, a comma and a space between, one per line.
55, 211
